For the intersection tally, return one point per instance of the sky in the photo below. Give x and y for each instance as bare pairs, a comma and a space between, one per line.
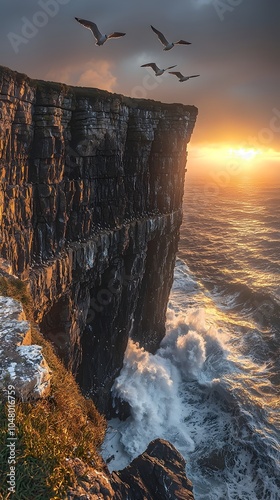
235, 47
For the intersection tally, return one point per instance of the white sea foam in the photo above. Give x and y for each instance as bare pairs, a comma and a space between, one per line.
198, 392
151, 386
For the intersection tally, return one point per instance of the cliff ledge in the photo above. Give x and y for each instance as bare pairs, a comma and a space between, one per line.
91, 188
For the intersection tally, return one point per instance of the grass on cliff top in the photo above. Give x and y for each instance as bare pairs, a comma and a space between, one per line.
49, 431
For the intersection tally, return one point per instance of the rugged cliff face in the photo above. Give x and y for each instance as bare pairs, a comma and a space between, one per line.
157, 474
90, 209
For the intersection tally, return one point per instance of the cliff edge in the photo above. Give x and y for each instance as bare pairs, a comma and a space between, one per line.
91, 190
90, 210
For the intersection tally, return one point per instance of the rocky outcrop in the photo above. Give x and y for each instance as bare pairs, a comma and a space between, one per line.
90, 210
90, 483
157, 474
22, 365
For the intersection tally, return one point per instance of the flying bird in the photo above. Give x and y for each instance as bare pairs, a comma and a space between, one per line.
156, 69
100, 38
181, 77
168, 45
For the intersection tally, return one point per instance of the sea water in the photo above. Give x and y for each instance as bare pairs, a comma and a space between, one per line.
212, 388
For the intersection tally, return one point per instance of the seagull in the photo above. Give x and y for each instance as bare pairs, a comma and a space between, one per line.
100, 39
156, 69
168, 45
181, 77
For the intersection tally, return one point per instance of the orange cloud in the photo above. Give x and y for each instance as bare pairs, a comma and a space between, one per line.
58, 75
98, 75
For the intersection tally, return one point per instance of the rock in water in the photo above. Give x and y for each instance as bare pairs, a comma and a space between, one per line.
157, 474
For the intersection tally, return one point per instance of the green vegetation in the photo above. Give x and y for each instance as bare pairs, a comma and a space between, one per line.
50, 431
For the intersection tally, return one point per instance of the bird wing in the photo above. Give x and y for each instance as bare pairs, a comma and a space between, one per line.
91, 26
161, 36
116, 34
151, 65
182, 42
177, 73
170, 67
193, 76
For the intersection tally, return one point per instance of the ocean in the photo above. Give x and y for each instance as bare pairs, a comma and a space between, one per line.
212, 388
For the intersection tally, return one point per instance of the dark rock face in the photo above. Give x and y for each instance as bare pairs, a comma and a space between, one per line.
90, 210
157, 474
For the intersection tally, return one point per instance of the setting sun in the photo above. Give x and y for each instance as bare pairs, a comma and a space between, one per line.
243, 153
225, 152
233, 161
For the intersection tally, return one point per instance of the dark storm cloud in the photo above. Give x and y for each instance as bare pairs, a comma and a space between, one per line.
237, 57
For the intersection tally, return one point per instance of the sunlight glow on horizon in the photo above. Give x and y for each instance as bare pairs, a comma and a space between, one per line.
233, 162
245, 154
223, 151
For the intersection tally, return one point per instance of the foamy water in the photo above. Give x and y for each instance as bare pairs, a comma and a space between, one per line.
211, 389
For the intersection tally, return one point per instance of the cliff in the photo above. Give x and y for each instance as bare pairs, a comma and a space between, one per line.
91, 191
90, 210
51, 432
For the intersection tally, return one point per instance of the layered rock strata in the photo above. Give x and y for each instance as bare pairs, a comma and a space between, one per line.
90, 209
91, 187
